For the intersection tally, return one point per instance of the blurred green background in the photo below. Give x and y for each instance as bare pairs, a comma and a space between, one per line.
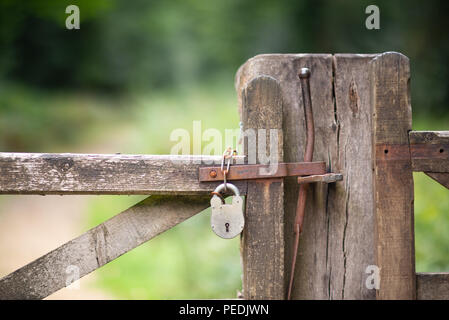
138, 69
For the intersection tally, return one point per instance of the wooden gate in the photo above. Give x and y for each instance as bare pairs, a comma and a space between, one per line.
363, 129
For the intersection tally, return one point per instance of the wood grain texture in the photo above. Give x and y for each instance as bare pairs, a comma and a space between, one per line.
100, 245
337, 243
262, 242
349, 203
432, 286
325, 178
42, 173
430, 151
393, 180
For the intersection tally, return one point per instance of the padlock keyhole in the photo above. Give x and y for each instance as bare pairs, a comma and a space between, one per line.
227, 227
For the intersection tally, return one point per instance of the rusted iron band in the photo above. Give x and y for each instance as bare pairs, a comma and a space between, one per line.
304, 75
256, 171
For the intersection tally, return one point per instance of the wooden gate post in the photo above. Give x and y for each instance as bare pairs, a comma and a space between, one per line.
359, 102
393, 179
262, 242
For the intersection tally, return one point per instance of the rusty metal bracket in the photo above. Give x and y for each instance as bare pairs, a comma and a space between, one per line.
254, 171
304, 75
323, 178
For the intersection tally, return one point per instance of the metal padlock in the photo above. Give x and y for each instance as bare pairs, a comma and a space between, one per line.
227, 220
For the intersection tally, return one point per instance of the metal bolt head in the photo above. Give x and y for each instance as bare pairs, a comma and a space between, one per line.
304, 73
213, 174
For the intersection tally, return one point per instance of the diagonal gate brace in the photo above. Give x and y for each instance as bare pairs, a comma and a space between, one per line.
100, 245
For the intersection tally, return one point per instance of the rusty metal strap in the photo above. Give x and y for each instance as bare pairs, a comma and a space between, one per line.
259, 171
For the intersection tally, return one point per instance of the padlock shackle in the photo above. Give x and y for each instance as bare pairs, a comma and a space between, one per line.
228, 185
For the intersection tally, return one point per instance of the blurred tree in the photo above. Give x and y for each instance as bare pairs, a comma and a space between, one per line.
126, 45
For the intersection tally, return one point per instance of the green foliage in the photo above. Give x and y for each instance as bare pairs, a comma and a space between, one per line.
431, 225
145, 44
35, 120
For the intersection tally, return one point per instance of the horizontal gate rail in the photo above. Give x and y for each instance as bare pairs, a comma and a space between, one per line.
44, 173
100, 245
430, 151
69, 173
432, 286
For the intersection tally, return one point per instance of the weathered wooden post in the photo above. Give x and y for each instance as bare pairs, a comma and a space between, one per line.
263, 237
361, 107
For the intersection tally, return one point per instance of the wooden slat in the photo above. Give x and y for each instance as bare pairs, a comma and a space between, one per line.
430, 151
348, 205
42, 173
100, 245
393, 180
432, 286
263, 236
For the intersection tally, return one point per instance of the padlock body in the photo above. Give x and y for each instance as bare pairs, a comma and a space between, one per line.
227, 220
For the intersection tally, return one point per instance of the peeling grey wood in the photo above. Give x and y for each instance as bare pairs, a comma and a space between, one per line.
392, 178
43, 173
432, 286
435, 156
100, 245
337, 244
263, 237
324, 178
350, 203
